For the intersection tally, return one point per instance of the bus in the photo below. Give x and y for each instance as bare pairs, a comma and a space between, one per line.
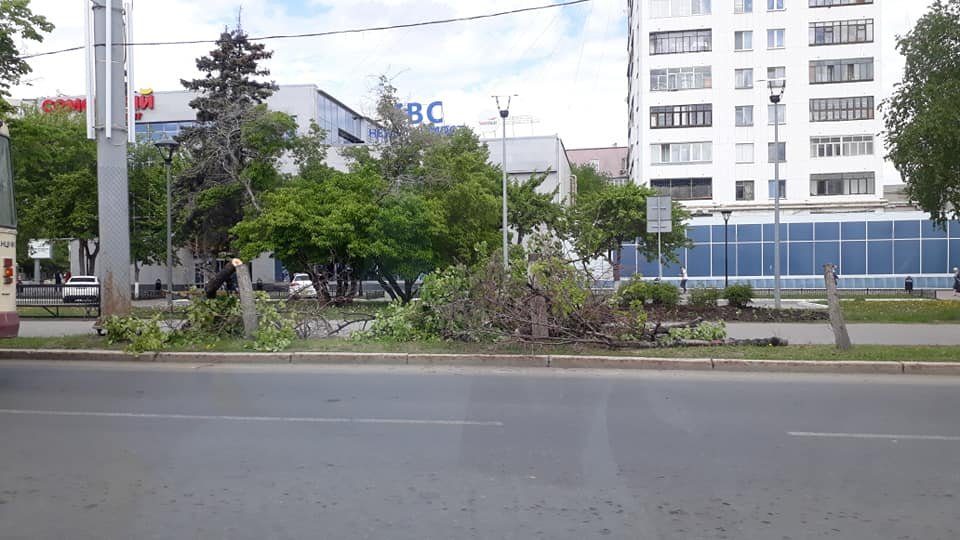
9, 320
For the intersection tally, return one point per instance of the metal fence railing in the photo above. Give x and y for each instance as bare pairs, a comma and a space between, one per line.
59, 300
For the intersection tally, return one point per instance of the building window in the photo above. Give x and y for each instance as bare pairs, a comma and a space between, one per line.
595, 164
743, 41
776, 73
841, 70
837, 32
776, 114
774, 5
776, 152
682, 41
860, 183
744, 152
776, 38
678, 8
847, 145
832, 3
743, 78
684, 189
743, 6
678, 116
745, 190
744, 114
683, 78
772, 187
841, 109
693, 152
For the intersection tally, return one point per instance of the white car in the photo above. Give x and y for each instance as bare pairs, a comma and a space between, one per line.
302, 286
82, 288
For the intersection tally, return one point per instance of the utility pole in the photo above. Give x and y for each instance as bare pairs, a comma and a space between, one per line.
504, 113
110, 122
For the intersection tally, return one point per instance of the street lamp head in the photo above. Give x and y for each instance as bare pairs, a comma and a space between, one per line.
167, 147
777, 88
726, 215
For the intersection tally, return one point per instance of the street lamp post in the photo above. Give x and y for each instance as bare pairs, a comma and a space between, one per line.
504, 113
726, 251
167, 147
776, 93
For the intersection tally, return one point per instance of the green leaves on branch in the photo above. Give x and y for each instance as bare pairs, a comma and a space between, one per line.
922, 118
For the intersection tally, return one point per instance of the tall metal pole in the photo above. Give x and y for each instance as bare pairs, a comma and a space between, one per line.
776, 202
506, 234
113, 263
169, 240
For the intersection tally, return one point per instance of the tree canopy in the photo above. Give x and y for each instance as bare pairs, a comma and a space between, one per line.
16, 20
923, 118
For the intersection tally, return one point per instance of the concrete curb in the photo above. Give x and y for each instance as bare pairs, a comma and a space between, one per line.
492, 360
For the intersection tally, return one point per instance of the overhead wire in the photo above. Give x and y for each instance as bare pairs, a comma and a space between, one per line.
331, 32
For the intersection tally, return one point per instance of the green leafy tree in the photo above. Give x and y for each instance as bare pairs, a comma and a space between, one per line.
598, 226
55, 172
529, 209
17, 21
590, 182
234, 150
922, 118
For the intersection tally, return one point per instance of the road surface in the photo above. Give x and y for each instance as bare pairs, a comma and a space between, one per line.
117, 451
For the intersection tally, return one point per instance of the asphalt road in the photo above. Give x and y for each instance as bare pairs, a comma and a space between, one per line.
120, 451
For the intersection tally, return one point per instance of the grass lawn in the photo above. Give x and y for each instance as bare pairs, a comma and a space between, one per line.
877, 353
916, 311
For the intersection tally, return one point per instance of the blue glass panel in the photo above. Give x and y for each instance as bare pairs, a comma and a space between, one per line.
749, 233
700, 235
718, 259
801, 231
930, 230
880, 230
906, 229
954, 255
827, 231
768, 249
935, 257
879, 257
649, 269
853, 258
698, 261
954, 228
628, 260
749, 262
854, 230
906, 256
718, 233
824, 253
768, 232
801, 258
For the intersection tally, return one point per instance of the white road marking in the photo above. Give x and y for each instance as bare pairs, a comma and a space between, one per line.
874, 436
292, 419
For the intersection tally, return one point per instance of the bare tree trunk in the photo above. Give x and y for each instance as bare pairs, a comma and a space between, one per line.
247, 304
538, 308
210, 289
841, 337
386, 287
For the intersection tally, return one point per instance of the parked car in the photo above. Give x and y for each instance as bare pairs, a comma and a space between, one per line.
301, 286
81, 288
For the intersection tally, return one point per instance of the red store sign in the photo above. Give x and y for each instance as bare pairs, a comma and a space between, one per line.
141, 103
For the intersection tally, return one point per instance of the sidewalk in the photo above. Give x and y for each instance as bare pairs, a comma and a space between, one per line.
863, 333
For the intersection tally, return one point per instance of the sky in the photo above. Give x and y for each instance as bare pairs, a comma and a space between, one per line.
566, 65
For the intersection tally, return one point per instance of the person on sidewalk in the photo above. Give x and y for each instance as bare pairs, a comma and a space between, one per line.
683, 279
956, 281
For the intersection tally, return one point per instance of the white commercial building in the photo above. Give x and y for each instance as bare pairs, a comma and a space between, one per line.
529, 156
702, 129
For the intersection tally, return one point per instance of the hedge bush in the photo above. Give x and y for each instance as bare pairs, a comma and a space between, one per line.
704, 296
739, 295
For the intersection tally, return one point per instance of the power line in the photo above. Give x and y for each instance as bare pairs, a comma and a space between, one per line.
331, 32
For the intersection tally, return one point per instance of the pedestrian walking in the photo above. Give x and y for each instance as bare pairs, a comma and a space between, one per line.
956, 281
683, 279
57, 277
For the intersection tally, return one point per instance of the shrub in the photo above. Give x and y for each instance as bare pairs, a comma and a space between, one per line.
664, 294
639, 292
704, 296
707, 331
739, 295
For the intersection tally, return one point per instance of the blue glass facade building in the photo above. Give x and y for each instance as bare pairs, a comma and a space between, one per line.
871, 251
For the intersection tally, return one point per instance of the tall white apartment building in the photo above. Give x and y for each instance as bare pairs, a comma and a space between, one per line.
702, 129
701, 125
